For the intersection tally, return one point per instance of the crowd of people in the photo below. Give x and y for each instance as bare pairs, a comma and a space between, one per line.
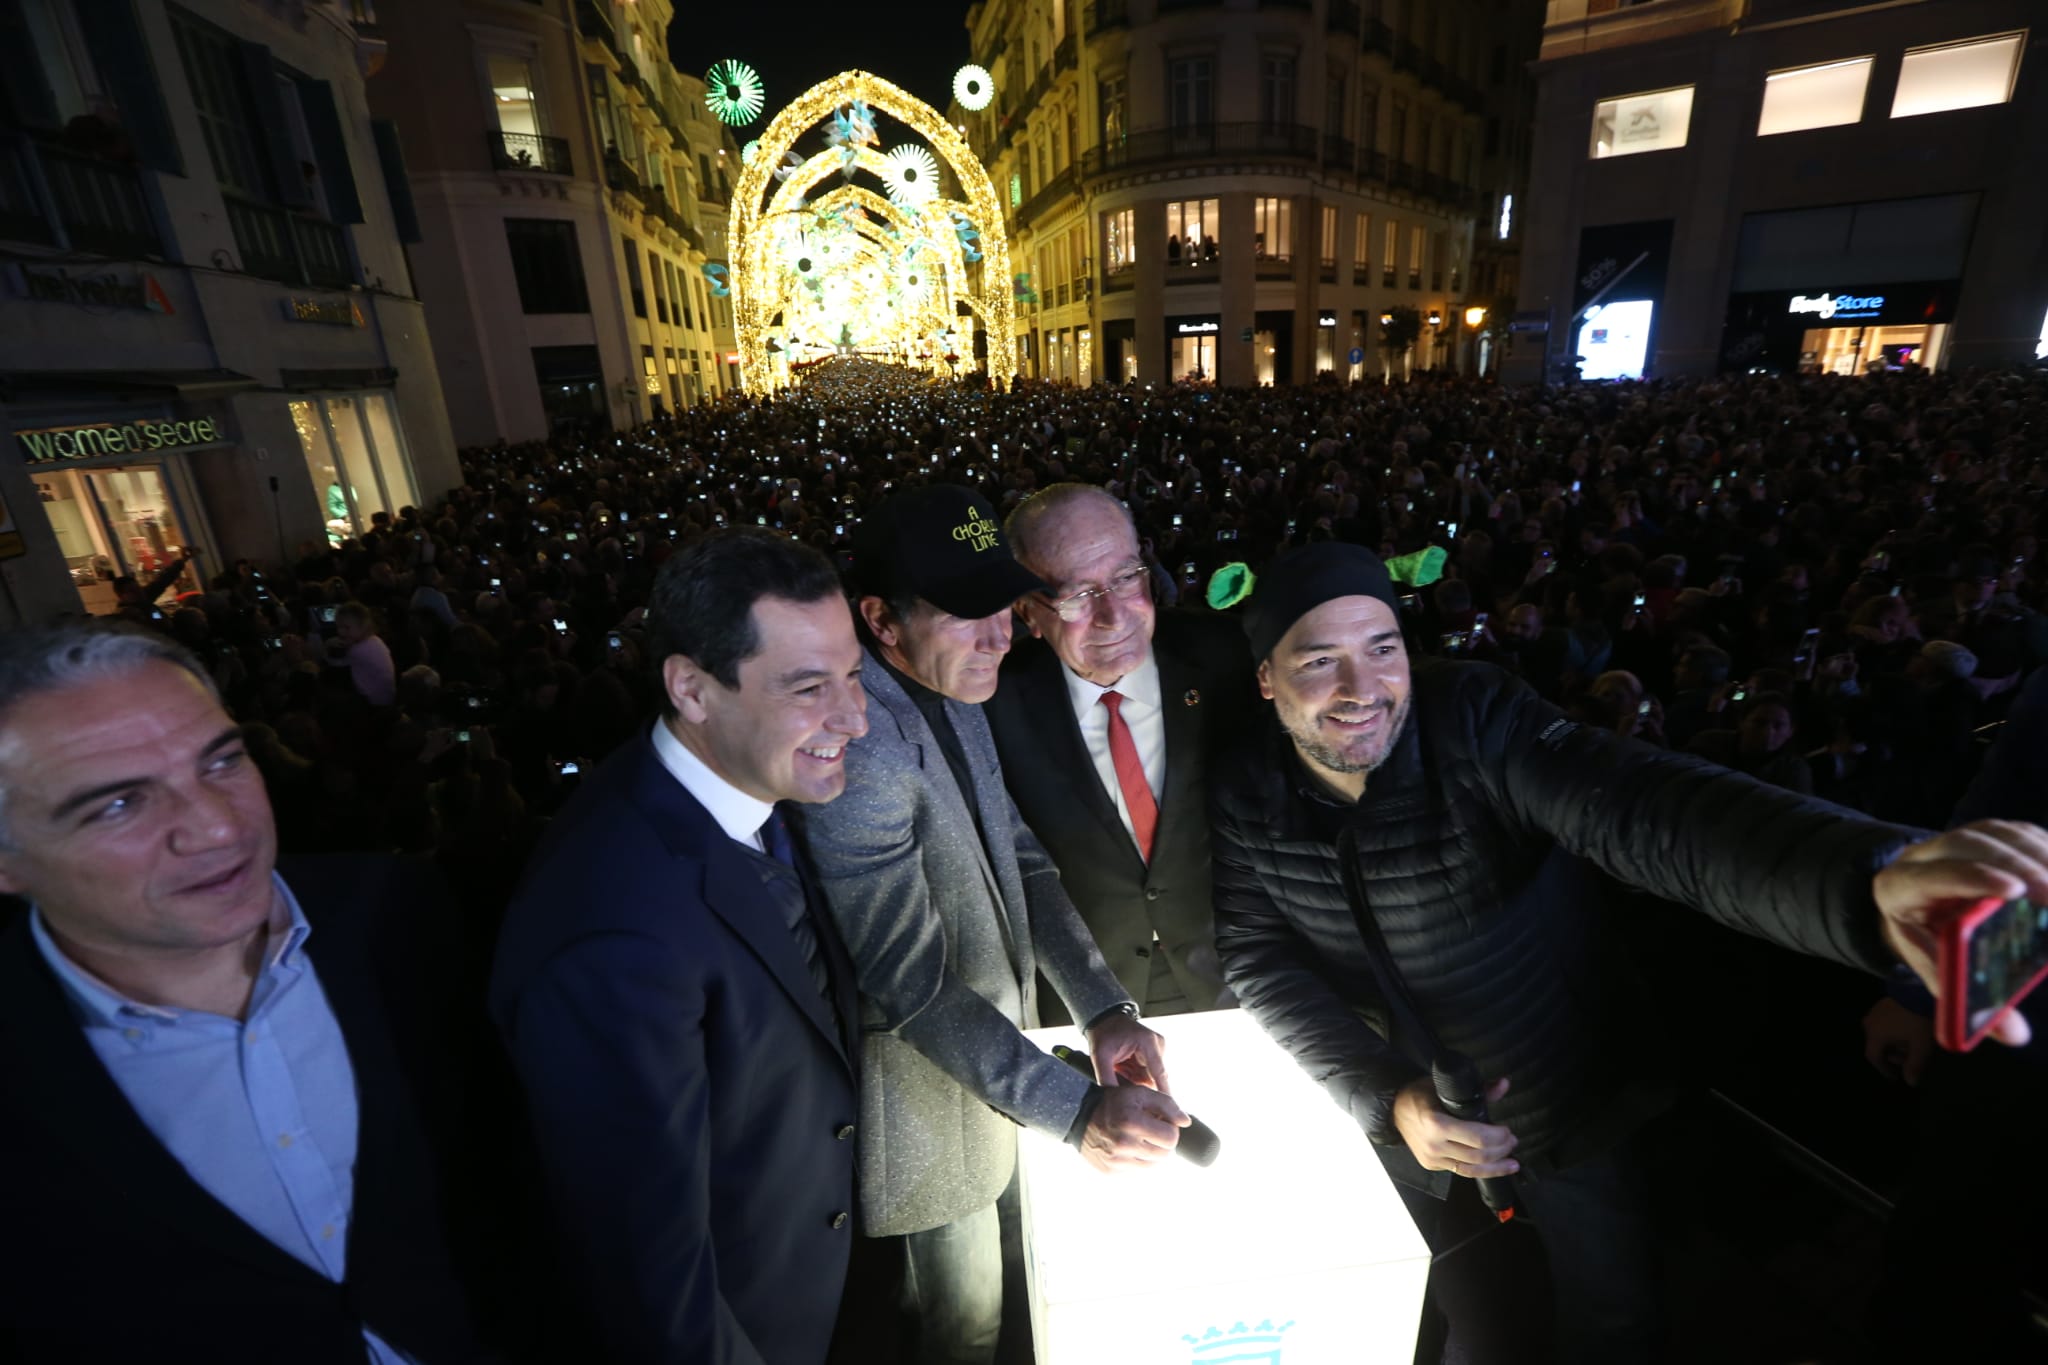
1825, 583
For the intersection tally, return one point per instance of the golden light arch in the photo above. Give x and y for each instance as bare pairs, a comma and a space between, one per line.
761, 289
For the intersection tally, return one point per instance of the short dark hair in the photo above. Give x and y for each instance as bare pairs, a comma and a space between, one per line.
703, 601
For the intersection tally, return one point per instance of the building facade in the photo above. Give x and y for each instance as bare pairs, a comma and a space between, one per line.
212, 339
1237, 191
560, 166
1786, 185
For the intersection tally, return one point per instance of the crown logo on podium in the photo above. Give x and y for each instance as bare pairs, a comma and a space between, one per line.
1241, 1345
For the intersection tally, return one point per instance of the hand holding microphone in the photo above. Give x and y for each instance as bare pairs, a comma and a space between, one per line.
1443, 1121
1197, 1141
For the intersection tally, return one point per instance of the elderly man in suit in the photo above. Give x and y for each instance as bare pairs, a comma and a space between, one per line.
1105, 721
951, 908
679, 1009
223, 1084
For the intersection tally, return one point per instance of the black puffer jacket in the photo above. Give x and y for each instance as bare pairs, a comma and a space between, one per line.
1471, 837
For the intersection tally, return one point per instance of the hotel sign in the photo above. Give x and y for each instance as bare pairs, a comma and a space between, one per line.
52, 444
332, 312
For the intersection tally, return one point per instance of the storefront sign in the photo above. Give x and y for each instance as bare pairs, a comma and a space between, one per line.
1188, 329
46, 284
331, 312
51, 444
1838, 305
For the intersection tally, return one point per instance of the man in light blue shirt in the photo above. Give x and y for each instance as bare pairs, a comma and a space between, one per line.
192, 1060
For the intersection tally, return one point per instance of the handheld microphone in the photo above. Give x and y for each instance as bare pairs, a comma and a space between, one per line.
1198, 1141
1459, 1092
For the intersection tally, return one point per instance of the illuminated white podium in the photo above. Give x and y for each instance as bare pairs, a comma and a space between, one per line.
1293, 1249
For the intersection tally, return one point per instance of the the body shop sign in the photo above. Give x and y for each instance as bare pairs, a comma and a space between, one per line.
1833, 306
51, 444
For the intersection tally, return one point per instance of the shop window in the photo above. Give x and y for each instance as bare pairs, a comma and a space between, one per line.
1389, 248
1820, 96
1361, 249
1416, 237
1119, 252
1273, 228
356, 458
110, 522
1329, 247
547, 265
1957, 75
1654, 121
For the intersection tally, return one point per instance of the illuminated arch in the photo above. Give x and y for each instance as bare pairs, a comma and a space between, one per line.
762, 290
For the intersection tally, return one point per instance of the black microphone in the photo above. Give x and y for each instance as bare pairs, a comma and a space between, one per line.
1459, 1092
1198, 1141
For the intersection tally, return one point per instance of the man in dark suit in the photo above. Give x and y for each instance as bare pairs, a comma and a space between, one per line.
1105, 721
679, 1009
238, 1072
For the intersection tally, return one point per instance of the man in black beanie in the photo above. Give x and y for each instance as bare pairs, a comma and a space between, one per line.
1474, 809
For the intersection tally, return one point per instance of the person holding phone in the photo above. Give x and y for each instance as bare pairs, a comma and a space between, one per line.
1499, 947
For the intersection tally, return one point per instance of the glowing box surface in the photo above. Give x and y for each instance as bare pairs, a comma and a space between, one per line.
1294, 1248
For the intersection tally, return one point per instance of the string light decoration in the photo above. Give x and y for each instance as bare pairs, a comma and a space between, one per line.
973, 87
908, 280
734, 94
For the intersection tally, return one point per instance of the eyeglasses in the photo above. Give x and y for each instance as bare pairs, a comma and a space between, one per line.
1125, 584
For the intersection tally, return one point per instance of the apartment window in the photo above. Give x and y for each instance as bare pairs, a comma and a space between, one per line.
1397, 133
1190, 105
1390, 247
69, 73
1655, 121
1276, 91
1273, 228
221, 98
1369, 118
1119, 250
1333, 105
547, 265
633, 280
1505, 227
1329, 252
1416, 237
1813, 96
1059, 146
1425, 147
679, 294
512, 97
1439, 251
1957, 75
601, 107
1109, 95
1193, 221
660, 289
1361, 247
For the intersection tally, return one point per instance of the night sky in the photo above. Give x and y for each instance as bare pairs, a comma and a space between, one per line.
794, 44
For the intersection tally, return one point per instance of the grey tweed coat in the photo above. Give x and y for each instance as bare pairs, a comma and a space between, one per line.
947, 941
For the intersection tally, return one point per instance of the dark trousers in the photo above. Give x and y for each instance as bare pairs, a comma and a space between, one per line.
1571, 1279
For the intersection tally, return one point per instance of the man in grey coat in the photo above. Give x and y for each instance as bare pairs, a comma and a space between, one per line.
950, 909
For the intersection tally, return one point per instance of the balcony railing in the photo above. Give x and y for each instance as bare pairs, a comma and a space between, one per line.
619, 175
100, 203
1343, 17
1338, 151
1291, 141
1106, 14
1049, 194
1063, 55
528, 152
277, 244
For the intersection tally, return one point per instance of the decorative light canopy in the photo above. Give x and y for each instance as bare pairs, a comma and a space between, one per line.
823, 264
749, 152
973, 87
734, 94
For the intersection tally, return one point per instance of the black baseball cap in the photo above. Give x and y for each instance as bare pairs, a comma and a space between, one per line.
943, 543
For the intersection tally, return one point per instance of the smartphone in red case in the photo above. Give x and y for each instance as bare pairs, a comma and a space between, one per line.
1989, 957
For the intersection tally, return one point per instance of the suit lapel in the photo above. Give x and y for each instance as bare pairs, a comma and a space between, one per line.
1069, 752
731, 886
1184, 750
65, 1087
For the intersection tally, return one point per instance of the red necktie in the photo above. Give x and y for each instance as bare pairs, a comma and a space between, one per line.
1130, 775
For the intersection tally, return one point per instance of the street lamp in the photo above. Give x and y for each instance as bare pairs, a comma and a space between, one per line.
1474, 316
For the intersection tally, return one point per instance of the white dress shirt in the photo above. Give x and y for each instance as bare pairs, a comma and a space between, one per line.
1141, 710
738, 814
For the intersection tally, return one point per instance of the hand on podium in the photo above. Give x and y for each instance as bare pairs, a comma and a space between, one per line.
1440, 1142
1134, 1126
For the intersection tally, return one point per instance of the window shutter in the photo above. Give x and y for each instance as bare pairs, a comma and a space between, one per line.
330, 149
405, 217
114, 36
271, 131
23, 87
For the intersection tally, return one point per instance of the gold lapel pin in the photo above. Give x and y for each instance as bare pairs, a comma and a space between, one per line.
1191, 698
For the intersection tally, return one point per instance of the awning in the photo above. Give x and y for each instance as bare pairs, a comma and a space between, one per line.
179, 384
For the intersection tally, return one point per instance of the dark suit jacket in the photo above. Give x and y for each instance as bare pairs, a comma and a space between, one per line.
691, 1093
113, 1252
1054, 783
